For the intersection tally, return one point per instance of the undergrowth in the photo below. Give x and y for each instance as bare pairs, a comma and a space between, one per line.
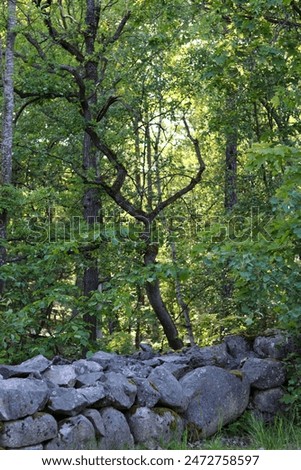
251, 433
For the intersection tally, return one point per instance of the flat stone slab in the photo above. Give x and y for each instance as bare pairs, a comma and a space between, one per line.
70, 401
21, 397
28, 431
61, 375
36, 365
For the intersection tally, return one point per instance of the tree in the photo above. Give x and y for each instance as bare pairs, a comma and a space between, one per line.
7, 122
116, 112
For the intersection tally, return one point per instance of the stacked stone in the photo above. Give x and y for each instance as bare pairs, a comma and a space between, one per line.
117, 402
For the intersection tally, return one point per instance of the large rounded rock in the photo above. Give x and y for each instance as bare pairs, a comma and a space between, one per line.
264, 373
156, 426
28, 431
117, 432
216, 397
21, 397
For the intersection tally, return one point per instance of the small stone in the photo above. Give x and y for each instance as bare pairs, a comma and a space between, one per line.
119, 391
209, 356
70, 401
103, 358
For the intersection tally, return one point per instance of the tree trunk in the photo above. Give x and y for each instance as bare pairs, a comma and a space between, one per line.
91, 199
185, 311
231, 172
7, 126
229, 203
155, 299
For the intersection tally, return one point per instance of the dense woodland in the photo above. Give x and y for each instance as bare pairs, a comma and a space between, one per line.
150, 173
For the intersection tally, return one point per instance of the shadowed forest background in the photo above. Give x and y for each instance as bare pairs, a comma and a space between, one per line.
150, 173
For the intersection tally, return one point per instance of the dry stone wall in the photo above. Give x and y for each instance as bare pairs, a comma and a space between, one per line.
147, 399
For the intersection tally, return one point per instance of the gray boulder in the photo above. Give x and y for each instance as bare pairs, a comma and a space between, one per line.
276, 347
61, 375
95, 418
117, 432
154, 362
67, 401
103, 358
21, 397
170, 390
155, 427
237, 347
173, 359
147, 394
90, 378
119, 391
264, 373
269, 401
35, 365
70, 401
177, 364
74, 434
209, 356
28, 431
129, 367
216, 397
177, 370
83, 366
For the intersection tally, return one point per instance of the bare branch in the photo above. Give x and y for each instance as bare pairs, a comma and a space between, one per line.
101, 114
119, 30
190, 186
68, 46
36, 45
18, 114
